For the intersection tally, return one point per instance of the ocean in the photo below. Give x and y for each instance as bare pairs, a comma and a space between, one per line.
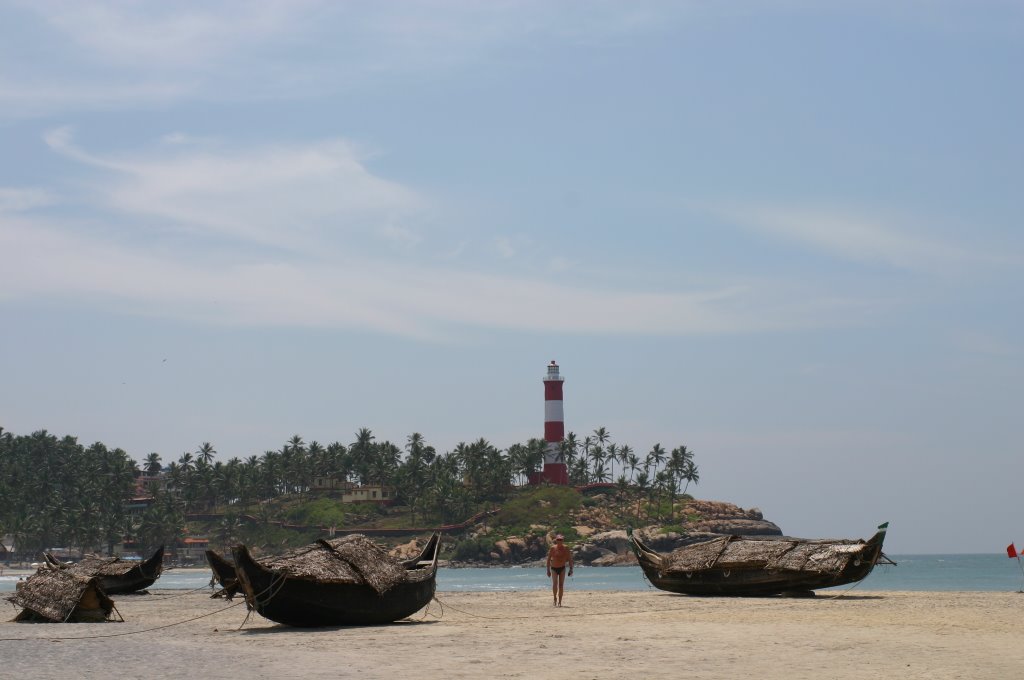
988, 572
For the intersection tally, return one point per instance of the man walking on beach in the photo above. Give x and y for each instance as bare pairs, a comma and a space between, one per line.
559, 557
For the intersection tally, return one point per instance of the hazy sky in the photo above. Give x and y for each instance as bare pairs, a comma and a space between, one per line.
786, 234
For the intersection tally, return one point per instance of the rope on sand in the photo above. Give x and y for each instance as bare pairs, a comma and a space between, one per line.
277, 582
131, 632
171, 596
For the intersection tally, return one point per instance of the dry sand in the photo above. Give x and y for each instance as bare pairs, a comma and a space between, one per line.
597, 634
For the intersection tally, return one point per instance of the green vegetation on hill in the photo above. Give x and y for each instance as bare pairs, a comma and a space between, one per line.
545, 505
56, 492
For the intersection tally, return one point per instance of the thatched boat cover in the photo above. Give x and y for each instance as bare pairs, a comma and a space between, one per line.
94, 565
734, 552
58, 595
348, 559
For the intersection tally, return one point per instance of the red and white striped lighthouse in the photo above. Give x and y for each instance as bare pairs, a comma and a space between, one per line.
555, 471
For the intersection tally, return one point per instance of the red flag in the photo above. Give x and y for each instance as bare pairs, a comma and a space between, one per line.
1011, 551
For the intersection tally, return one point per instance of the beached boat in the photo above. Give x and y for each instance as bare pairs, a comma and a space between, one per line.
341, 581
117, 576
760, 565
224, 574
54, 595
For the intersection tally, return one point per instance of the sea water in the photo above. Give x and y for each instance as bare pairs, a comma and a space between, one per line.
914, 572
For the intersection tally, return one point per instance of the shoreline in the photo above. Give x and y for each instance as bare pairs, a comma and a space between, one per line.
597, 634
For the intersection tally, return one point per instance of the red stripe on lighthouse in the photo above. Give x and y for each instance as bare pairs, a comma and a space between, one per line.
554, 433
552, 390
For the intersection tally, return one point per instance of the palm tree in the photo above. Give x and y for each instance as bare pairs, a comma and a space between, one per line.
361, 454
294, 464
205, 452
633, 461
601, 438
186, 464
535, 448
597, 455
656, 457
690, 474
384, 463
518, 457
411, 476
677, 461
578, 472
569, 449
152, 465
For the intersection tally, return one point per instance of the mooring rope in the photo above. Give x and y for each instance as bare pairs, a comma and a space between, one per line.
277, 582
844, 592
130, 632
171, 596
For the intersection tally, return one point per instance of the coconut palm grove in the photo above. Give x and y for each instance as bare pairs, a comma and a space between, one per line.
55, 491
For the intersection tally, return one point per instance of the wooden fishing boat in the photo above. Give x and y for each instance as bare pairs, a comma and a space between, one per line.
760, 565
338, 582
224, 574
54, 595
116, 576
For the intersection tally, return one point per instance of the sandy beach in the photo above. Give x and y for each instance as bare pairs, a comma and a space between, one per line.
520, 635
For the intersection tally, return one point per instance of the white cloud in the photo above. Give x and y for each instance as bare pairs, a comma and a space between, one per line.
504, 247
853, 238
305, 235
185, 139
174, 35
129, 55
14, 199
560, 264
50, 260
44, 95
978, 342
288, 196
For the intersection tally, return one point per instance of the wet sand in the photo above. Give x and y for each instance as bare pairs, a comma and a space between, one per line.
597, 634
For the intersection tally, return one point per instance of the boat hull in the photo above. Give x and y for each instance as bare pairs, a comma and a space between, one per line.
133, 579
225, 574
137, 578
307, 602
754, 582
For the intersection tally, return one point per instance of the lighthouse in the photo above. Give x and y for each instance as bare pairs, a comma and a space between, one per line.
555, 471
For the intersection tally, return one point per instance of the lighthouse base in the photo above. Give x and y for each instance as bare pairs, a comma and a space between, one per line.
555, 473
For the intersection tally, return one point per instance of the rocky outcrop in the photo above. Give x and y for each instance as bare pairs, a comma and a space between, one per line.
717, 517
702, 520
407, 551
697, 520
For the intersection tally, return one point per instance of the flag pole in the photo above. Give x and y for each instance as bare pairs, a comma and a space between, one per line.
1011, 551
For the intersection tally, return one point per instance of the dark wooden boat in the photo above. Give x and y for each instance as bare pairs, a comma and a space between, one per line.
116, 576
55, 595
761, 565
224, 574
343, 581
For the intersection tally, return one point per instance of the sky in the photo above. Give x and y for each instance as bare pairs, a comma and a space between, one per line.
784, 234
